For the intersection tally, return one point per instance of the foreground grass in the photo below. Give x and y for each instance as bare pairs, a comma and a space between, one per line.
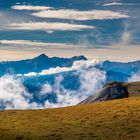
112, 120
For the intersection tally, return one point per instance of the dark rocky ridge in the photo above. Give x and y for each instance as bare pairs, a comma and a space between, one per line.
110, 91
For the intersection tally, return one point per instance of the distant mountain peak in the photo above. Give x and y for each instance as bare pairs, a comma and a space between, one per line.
42, 56
81, 57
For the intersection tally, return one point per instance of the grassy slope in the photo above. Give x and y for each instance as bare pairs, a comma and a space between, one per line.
112, 120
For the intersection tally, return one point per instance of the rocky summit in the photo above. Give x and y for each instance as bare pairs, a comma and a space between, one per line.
114, 90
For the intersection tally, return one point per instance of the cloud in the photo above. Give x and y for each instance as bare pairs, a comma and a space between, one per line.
49, 26
46, 88
29, 74
112, 4
135, 77
80, 15
77, 65
32, 43
91, 80
30, 7
14, 95
117, 3
55, 70
64, 96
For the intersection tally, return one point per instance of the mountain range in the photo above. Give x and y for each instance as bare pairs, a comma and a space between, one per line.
42, 62
36, 64
72, 84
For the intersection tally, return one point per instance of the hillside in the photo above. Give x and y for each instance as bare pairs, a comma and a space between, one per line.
117, 120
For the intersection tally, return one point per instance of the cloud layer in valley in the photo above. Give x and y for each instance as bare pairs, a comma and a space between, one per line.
77, 65
14, 95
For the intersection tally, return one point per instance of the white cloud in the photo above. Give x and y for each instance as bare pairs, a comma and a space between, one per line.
116, 3
47, 88
77, 65
135, 77
30, 7
112, 4
21, 42
55, 70
14, 95
48, 26
30, 74
32, 43
80, 15
91, 80
64, 96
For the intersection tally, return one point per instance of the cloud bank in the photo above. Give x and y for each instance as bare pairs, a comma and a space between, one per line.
90, 82
14, 95
80, 15
49, 26
77, 65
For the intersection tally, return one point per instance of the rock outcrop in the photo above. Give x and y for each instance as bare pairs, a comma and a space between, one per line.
110, 91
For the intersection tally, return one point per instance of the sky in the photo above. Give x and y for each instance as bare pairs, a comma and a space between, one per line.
97, 29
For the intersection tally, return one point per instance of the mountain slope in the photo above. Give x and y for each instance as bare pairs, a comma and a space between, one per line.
117, 119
